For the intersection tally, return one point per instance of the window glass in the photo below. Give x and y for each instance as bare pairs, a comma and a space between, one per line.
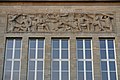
79, 43
104, 65
88, 65
103, 54
8, 65
40, 54
64, 44
17, 54
55, 54
80, 75
110, 44
40, 43
18, 43
16, 76
87, 44
80, 54
55, 65
88, 54
64, 54
112, 75
80, 65
104, 76
112, 65
55, 44
32, 53
9, 54
39, 65
33, 43
102, 44
111, 54
39, 76
88, 75
16, 65
64, 65
31, 75
55, 76
31, 65
10, 43
64, 76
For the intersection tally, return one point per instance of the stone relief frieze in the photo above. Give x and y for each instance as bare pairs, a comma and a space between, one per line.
60, 22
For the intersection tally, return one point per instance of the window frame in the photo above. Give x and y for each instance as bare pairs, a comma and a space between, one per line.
13, 59
84, 59
60, 60
107, 60
35, 59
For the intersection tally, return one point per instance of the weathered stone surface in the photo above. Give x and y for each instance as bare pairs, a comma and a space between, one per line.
7, 14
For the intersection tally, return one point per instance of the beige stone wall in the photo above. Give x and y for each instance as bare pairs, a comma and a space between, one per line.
5, 10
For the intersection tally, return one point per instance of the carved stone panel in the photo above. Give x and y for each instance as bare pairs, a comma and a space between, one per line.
60, 22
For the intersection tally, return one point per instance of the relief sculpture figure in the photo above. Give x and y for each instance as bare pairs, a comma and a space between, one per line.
60, 22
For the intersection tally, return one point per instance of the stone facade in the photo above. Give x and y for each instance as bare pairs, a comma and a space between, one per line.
60, 21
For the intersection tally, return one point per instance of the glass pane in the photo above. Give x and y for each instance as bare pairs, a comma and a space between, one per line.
55, 43
81, 65
89, 65
39, 75
40, 54
79, 43
9, 54
112, 65
17, 54
7, 76
64, 76
16, 65
32, 53
55, 65
80, 54
55, 75
111, 54
39, 65
31, 76
64, 65
112, 75
8, 65
104, 65
110, 44
80, 75
64, 43
64, 54
88, 54
103, 54
87, 43
104, 76
31, 65
16, 76
40, 43
55, 54
102, 44
18, 43
33, 43
88, 75
10, 43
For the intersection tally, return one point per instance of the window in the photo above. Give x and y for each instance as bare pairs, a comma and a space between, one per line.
84, 59
108, 62
36, 59
12, 59
60, 59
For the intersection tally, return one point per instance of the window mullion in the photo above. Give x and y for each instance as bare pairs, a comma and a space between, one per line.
36, 59
13, 59
84, 59
107, 59
60, 58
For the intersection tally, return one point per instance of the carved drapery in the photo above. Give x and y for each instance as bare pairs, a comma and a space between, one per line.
60, 22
